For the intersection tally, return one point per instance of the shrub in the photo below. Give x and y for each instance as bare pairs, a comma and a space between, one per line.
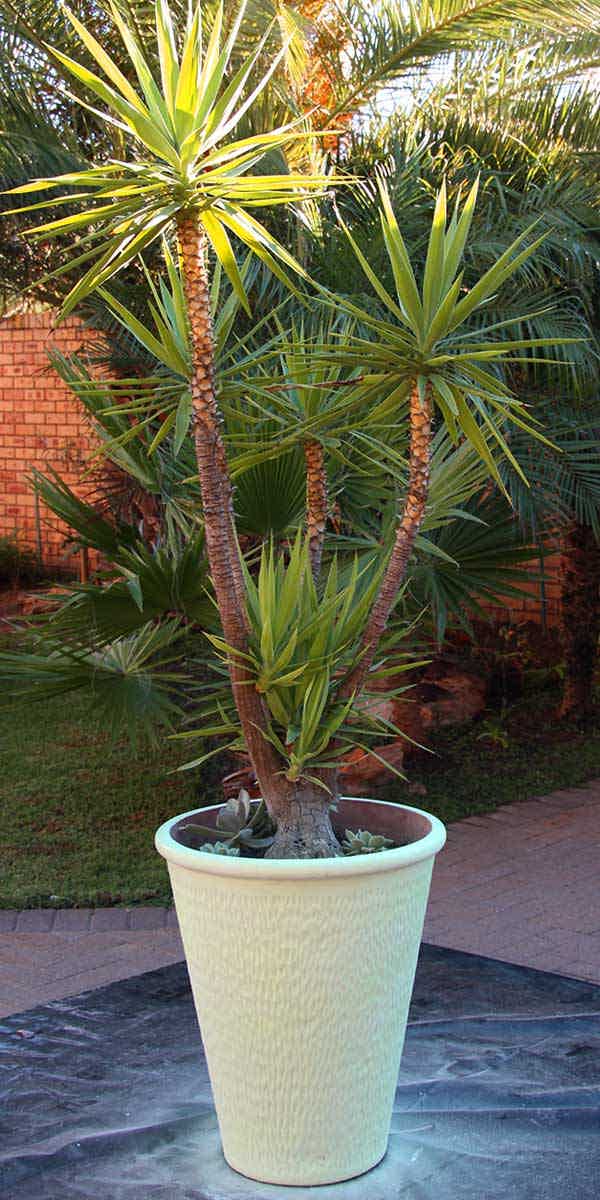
18, 564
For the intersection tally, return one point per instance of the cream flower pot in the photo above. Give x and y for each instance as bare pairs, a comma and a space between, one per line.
302, 972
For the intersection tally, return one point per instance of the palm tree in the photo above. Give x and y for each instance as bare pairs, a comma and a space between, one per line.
294, 685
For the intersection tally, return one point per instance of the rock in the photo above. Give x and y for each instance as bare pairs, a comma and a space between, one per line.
416, 789
445, 695
362, 770
44, 602
460, 694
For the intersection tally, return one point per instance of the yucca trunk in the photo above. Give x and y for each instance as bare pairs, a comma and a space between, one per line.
304, 828
217, 503
316, 502
406, 532
215, 482
580, 615
302, 815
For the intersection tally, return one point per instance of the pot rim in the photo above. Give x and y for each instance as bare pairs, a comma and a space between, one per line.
302, 868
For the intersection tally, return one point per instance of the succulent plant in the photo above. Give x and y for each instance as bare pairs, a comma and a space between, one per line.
363, 842
240, 825
219, 848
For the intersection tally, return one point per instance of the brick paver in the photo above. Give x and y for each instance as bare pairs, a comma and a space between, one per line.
519, 884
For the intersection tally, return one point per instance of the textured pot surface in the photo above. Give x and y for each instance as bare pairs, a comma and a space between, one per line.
302, 973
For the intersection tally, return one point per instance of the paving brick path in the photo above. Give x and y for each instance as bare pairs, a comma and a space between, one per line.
519, 884
522, 884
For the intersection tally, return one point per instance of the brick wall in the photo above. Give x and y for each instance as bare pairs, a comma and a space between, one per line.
541, 599
41, 425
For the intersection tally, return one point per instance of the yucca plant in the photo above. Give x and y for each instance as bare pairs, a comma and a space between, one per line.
297, 658
301, 644
312, 403
187, 173
420, 352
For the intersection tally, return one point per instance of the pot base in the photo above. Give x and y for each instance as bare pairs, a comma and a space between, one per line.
305, 1179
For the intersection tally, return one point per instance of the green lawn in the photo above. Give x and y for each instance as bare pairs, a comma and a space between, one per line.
77, 815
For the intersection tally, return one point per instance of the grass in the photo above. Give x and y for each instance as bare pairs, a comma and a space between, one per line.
77, 815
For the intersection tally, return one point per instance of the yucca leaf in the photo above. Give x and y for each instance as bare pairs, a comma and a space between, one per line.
475, 436
505, 266
223, 119
406, 285
105, 62
165, 428
154, 100
133, 118
433, 277
382, 292
189, 82
255, 236
144, 336
214, 113
59, 181
182, 421
222, 247
121, 251
440, 323
457, 236
167, 53
443, 389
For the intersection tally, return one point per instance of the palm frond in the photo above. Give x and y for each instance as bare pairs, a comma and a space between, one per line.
385, 41
132, 680
483, 557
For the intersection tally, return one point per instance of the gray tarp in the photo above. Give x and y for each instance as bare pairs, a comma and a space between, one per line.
105, 1096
